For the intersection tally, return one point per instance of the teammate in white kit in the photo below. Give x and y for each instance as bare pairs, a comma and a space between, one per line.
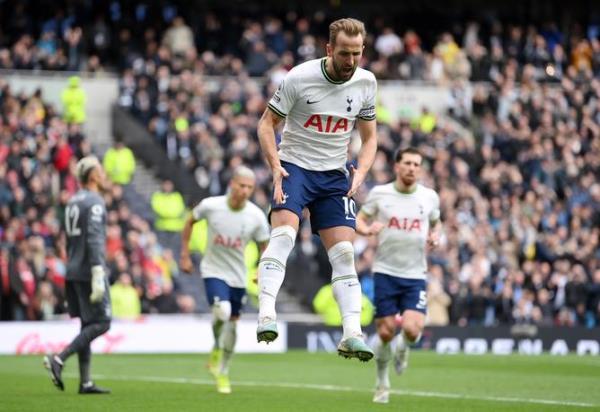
321, 101
232, 222
405, 216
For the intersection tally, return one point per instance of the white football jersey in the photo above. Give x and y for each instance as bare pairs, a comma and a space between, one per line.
320, 114
406, 216
228, 233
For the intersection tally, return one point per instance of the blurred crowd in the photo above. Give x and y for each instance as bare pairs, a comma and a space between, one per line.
38, 153
520, 197
520, 192
257, 39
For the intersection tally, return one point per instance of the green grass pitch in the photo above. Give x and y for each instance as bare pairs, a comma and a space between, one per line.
300, 381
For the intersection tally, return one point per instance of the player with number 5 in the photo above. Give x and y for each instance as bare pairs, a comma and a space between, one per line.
321, 100
405, 217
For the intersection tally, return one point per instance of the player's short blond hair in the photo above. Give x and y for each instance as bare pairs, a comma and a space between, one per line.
243, 171
352, 27
85, 166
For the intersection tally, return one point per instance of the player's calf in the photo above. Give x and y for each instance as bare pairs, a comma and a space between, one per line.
412, 326
271, 270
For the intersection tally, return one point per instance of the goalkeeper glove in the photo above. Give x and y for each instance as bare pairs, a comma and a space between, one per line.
98, 284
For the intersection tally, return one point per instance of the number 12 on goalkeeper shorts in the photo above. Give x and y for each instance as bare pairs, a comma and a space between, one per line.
349, 208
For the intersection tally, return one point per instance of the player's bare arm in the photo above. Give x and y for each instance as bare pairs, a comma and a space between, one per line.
266, 137
433, 237
185, 262
365, 226
368, 135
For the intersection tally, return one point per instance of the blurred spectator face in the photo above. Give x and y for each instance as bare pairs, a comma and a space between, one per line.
186, 303
241, 188
125, 279
45, 291
408, 168
345, 54
167, 186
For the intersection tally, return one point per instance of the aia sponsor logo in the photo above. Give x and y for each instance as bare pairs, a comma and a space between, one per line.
230, 242
33, 343
327, 124
404, 224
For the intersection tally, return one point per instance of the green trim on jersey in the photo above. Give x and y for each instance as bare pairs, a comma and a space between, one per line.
327, 77
232, 209
277, 111
344, 278
405, 192
368, 119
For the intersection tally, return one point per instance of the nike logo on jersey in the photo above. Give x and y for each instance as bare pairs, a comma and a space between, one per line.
313, 102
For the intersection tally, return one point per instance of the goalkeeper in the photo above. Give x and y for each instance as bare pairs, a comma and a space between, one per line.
87, 284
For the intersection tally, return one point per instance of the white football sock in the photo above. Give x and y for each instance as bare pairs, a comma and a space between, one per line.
227, 342
221, 311
217, 326
271, 269
383, 355
346, 287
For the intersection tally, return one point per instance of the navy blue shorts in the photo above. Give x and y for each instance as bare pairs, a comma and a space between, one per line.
395, 295
323, 193
217, 290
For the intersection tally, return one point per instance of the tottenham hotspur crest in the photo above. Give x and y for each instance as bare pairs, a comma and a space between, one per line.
349, 101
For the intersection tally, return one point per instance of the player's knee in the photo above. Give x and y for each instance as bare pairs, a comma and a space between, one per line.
341, 255
412, 330
284, 236
100, 328
385, 334
281, 242
386, 331
222, 310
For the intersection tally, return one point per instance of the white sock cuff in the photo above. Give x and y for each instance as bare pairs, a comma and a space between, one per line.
340, 249
383, 351
285, 230
222, 310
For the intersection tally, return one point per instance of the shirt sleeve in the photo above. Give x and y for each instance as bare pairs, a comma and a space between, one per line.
434, 215
285, 96
96, 234
367, 111
370, 206
200, 211
261, 233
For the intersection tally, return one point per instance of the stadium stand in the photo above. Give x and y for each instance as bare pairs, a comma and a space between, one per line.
520, 201
38, 152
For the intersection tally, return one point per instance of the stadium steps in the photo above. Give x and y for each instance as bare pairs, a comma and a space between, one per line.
144, 181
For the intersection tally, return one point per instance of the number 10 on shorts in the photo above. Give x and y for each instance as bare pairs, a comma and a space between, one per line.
349, 208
